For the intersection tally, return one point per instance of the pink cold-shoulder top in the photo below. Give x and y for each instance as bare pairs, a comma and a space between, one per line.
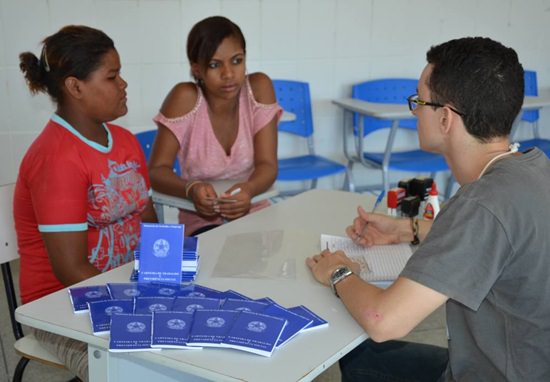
202, 157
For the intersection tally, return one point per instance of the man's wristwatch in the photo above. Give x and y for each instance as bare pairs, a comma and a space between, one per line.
338, 275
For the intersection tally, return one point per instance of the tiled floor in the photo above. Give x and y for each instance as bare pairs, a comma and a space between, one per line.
432, 330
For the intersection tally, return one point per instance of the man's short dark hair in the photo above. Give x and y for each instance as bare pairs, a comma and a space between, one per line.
483, 79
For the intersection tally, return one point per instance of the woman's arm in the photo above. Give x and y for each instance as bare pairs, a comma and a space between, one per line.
68, 253
178, 102
161, 164
149, 214
265, 140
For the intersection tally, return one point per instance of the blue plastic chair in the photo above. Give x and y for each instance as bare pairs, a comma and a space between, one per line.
392, 91
294, 97
532, 116
146, 139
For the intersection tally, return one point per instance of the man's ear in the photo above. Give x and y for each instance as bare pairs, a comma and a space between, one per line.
446, 120
73, 87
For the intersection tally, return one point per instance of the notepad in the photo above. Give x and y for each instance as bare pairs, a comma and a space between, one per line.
379, 263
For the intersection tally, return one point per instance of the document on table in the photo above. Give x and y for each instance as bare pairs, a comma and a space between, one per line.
378, 263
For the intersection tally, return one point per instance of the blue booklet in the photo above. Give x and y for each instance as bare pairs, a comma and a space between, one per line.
171, 330
211, 326
316, 321
190, 304
164, 289
254, 332
123, 291
134, 289
230, 293
202, 291
148, 305
130, 332
190, 247
266, 300
244, 305
295, 323
101, 312
81, 296
160, 253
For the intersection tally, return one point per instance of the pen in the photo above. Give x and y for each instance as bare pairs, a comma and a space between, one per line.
378, 200
227, 198
376, 203
235, 191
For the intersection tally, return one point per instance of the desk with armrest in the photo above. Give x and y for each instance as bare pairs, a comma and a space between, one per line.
300, 220
396, 113
160, 199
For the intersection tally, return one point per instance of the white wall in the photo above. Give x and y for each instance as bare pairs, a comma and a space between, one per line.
329, 43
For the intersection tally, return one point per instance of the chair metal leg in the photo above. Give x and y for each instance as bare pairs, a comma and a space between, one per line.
159, 209
19, 369
313, 183
346, 185
349, 175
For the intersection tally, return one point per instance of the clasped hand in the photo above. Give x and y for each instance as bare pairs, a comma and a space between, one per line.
209, 205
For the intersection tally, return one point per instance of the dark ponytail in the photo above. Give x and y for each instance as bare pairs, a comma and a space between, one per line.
34, 72
74, 51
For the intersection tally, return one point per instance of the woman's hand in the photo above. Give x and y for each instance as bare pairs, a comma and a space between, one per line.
375, 229
234, 206
204, 198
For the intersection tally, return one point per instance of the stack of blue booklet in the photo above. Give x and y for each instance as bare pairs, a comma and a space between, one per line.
165, 255
150, 316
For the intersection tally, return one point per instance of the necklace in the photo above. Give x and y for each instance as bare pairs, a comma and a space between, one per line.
513, 148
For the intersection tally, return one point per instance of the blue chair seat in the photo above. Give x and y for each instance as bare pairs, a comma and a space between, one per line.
307, 167
412, 161
542, 144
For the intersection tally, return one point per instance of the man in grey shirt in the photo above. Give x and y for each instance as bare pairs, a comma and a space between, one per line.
487, 254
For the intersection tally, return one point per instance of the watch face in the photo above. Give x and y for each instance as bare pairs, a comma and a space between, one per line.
338, 273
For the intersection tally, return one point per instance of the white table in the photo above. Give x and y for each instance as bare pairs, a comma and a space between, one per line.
396, 113
302, 219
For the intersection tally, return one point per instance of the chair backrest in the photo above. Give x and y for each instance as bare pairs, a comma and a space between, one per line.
8, 252
531, 89
146, 139
293, 96
389, 90
8, 239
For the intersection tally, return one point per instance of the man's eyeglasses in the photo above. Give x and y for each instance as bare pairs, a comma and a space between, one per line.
414, 102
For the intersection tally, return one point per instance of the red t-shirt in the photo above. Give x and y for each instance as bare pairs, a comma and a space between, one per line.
67, 183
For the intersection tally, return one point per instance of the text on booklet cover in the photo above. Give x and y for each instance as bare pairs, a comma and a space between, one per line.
160, 253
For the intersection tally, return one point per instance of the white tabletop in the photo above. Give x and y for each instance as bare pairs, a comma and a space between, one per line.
376, 110
401, 111
301, 219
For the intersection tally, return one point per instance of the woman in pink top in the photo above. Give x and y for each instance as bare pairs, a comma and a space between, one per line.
222, 127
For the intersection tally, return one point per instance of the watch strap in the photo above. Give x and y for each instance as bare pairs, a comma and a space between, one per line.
338, 275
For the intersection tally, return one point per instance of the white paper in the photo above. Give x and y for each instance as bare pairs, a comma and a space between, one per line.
378, 263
